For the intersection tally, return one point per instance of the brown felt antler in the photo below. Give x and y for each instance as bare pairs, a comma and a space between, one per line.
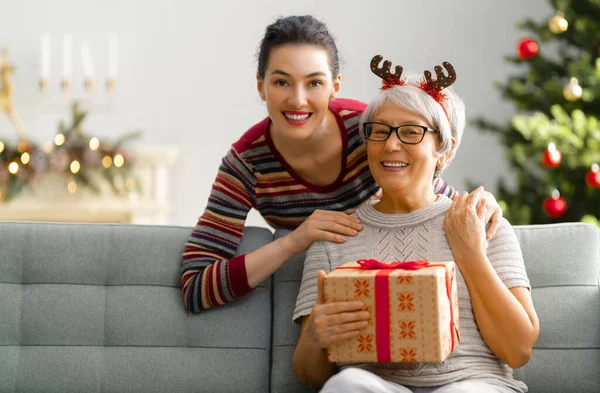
442, 81
384, 71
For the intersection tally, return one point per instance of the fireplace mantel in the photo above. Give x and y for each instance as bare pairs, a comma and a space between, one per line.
50, 201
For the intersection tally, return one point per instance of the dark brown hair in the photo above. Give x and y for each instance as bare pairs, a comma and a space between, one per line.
299, 30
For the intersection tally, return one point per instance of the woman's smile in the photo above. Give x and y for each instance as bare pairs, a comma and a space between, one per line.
296, 118
394, 166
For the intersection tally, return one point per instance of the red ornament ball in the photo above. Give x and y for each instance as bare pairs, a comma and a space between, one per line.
552, 156
527, 48
592, 178
555, 207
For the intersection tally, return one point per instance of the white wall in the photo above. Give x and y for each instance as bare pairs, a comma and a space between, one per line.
187, 68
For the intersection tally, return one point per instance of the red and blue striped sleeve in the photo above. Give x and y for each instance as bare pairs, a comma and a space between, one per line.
210, 273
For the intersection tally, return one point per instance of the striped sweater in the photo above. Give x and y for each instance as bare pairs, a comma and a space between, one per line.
420, 235
254, 175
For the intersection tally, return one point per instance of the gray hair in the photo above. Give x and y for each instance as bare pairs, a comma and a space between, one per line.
416, 100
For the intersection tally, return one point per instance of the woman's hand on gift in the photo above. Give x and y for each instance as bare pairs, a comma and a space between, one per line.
323, 225
334, 322
465, 224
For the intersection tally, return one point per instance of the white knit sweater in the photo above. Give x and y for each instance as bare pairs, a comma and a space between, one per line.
420, 235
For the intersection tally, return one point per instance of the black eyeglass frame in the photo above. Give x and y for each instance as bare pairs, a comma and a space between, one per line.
395, 129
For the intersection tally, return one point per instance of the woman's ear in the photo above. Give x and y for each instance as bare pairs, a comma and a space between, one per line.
446, 158
260, 83
337, 83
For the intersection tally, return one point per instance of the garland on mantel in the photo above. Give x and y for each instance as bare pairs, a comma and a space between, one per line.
72, 153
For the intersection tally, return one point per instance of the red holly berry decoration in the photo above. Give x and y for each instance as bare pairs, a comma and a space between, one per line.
592, 178
552, 156
527, 48
555, 205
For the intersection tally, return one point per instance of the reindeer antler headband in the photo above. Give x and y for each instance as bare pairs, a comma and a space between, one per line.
433, 87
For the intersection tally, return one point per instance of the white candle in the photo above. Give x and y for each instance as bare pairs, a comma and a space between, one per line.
113, 50
67, 57
45, 71
86, 59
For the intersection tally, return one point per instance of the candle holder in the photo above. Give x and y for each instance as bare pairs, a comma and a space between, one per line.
69, 90
65, 94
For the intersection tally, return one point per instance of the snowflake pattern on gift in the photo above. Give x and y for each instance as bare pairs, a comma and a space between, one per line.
404, 279
365, 343
408, 330
361, 288
408, 355
406, 301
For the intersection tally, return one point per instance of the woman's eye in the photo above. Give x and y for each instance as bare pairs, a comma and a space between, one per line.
316, 83
280, 82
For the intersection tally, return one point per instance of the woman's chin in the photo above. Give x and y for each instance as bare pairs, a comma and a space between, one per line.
393, 190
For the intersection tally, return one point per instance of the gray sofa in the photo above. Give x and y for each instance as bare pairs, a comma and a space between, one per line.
96, 308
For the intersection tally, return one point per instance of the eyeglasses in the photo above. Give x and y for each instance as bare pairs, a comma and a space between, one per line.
410, 134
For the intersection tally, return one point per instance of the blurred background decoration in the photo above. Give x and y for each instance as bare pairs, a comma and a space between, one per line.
83, 161
7, 105
553, 143
72, 154
76, 176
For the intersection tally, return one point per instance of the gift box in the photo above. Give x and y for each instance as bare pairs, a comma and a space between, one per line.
413, 310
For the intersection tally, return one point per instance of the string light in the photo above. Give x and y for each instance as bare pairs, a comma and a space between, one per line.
59, 139
94, 143
75, 166
1, 147
22, 147
72, 187
25, 158
13, 168
119, 160
107, 161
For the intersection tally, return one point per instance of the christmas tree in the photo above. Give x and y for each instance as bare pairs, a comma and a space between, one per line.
553, 143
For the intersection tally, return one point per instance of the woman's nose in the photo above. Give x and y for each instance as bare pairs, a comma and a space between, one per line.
298, 97
393, 143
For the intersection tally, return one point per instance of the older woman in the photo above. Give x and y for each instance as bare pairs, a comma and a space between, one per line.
412, 131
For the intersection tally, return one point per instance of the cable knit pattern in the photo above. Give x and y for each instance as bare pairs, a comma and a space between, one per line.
420, 235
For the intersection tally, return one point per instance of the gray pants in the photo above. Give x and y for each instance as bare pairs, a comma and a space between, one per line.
356, 380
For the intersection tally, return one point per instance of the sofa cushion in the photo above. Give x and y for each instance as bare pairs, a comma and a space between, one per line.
563, 264
97, 308
286, 284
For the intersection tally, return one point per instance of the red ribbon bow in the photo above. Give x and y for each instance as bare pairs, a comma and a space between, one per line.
371, 264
